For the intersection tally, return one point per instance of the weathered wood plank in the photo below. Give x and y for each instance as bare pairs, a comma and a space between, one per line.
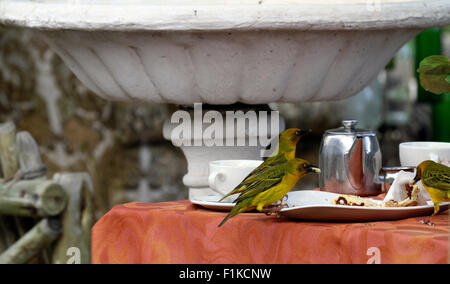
33, 242
77, 218
7, 232
30, 162
32, 198
8, 153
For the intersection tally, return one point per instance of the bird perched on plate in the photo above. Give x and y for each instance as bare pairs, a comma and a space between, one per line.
436, 180
273, 179
285, 152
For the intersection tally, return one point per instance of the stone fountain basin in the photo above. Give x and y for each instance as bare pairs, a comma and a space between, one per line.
226, 51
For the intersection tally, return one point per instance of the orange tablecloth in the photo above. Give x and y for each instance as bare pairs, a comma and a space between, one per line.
179, 232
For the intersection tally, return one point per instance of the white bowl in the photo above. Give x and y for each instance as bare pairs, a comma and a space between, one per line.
226, 51
413, 153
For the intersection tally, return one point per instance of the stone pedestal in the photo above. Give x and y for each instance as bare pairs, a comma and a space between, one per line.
242, 132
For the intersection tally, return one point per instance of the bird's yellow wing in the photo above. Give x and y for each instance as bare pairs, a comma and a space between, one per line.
258, 187
437, 176
268, 169
265, 181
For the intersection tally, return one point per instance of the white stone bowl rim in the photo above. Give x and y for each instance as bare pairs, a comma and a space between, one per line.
204, 15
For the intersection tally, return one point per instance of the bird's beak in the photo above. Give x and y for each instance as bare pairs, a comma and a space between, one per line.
413, 182
313, 169
302, 132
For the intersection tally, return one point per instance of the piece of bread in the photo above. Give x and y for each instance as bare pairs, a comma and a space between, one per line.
353, 200
413, 195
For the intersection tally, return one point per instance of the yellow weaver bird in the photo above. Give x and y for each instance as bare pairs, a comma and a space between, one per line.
267, 191
436, 180
285, 152
271, 181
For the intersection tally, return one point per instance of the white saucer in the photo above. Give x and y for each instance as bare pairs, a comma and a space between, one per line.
210, 202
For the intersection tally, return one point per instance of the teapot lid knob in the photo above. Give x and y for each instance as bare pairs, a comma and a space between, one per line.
349, 124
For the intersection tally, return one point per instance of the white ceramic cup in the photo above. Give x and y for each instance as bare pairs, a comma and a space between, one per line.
225, 175
413, 153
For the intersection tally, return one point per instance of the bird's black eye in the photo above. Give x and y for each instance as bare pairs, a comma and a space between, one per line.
305, 166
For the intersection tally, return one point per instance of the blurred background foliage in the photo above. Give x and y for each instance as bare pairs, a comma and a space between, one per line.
121, 145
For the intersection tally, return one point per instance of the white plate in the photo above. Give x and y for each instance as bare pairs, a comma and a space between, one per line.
316, 205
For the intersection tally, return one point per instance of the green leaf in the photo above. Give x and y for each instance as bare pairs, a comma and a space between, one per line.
435, 74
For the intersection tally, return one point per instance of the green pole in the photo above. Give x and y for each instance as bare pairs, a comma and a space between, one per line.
428, 43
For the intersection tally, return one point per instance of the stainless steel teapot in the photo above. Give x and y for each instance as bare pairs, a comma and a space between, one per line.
350, 161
